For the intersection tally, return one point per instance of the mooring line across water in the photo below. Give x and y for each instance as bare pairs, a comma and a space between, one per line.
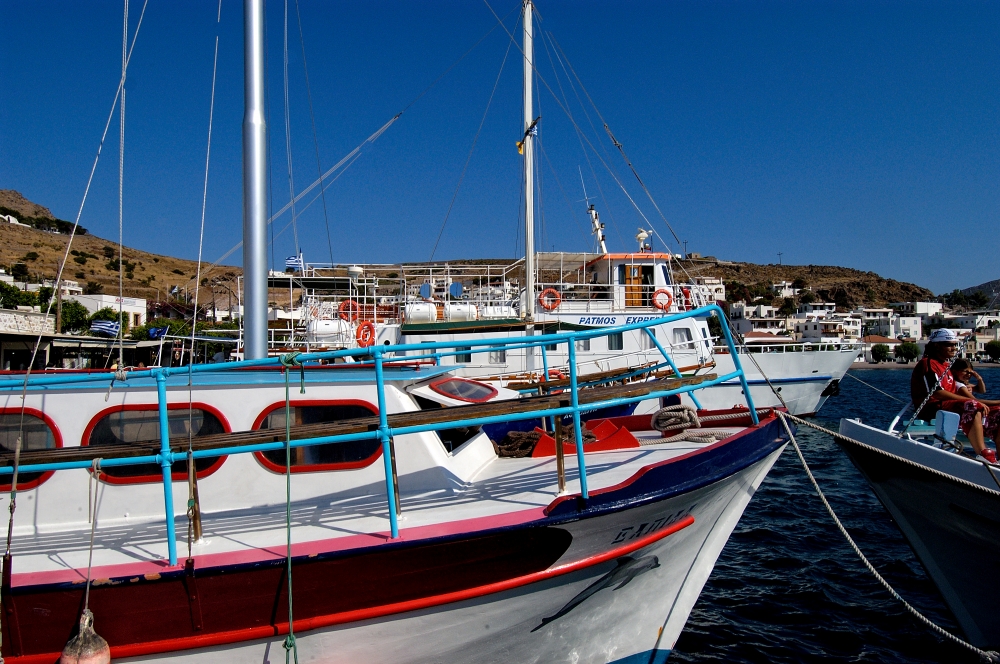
985, 655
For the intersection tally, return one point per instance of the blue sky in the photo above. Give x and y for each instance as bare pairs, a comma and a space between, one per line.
862, 134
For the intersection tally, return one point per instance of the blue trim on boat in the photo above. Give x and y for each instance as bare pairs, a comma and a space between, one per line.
649, 657
779, 381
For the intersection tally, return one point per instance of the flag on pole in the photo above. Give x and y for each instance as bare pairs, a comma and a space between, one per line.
108, 327
295, 263
158, 332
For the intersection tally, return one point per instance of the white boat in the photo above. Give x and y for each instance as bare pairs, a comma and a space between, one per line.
207, 513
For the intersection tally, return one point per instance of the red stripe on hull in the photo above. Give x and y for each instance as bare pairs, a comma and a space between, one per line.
279, 628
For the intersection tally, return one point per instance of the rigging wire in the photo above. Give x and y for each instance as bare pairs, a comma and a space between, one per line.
312, 119
569, 205
121, 190
371, 139
472, 147
288, 135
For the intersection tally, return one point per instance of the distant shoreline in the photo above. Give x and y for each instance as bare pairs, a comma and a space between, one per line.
896, 365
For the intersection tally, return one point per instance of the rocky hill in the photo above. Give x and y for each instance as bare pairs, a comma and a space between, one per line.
845, 286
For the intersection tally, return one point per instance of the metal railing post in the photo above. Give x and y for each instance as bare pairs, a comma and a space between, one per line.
384, 437
166, 459
545, 379
736, 361
575, 403
670, 361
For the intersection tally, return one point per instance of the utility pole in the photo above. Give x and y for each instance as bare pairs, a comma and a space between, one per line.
685, 248
59, 299
779, 257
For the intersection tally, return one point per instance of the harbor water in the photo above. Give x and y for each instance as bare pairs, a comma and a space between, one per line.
788, 588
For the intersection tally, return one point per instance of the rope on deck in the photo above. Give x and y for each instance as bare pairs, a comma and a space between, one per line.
985, 655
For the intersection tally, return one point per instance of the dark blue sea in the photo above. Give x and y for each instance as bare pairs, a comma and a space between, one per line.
788, 588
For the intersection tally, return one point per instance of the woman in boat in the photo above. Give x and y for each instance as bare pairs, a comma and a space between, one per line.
933, 376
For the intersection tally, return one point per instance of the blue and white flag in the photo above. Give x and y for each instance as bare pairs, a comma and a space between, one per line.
108, 327
295, 263
158, 332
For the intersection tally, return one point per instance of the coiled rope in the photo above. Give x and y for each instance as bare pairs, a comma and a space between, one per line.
984, 655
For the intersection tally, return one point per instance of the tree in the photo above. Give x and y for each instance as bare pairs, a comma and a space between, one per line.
880, 353
11, 297
93, 288
19, 271
799, 283
979, 300
787, 307
993, 350
75, 316
807, 298
907, 351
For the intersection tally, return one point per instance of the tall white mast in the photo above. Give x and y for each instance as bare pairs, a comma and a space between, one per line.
529, 166
254, 183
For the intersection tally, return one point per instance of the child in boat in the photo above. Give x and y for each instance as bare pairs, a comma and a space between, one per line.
968, 383
932, 376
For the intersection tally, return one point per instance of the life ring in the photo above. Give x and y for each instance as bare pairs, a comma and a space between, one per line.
365, 334
313, 312
549, 299
664, 306
687, 298
555, 374
349, 310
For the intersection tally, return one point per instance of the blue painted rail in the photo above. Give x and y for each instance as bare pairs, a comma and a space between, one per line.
375, 359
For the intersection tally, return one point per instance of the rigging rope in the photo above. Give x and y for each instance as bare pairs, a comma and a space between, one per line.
986, 656
288, 361
875, 388
288, 136
471, 149
312, 119
121, 189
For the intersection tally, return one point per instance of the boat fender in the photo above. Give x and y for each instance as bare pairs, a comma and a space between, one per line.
659, 303
365, 334
349, 310
87, 647
549, 299
687, 298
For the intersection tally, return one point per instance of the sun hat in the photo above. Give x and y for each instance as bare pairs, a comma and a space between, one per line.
942, 335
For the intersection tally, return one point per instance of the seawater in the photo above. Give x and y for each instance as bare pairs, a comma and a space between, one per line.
788, 588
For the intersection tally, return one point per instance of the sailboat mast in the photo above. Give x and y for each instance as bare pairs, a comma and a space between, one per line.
529, 166
254, 184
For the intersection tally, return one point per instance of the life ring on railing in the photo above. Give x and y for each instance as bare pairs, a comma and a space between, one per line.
313, 312
549, 299
664, 306
687, 298
365, 334
555, 374
349, 310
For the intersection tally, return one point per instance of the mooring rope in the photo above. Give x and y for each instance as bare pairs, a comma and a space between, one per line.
288, 361
985, 655
848, 374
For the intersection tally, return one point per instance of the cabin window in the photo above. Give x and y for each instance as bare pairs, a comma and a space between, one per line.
498, 357
582, 344
616, 341
464, 390
648, 336
36, 434
551, 346
332, 456
463, 354
682, 337
141, 426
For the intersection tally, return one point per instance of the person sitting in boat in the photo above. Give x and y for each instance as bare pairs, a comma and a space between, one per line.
933, 376
968, 383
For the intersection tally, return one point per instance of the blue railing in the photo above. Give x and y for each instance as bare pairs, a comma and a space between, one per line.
378, 357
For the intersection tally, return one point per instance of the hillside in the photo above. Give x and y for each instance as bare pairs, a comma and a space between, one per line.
990, 289
152, 276
845, 286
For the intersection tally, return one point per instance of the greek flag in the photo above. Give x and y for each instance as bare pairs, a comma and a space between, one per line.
108, 327
295, 263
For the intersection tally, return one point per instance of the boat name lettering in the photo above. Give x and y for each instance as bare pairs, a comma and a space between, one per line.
597, 320
633, 532
638, 319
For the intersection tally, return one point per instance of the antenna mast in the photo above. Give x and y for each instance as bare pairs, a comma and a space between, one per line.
595, 221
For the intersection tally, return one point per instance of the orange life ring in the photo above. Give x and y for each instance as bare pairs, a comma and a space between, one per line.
555, 374
687, 298
656, 299
365, 334
349, 310
549, 299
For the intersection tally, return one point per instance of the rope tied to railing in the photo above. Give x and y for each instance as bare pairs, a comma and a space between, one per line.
289, 361
984, 655
120, 375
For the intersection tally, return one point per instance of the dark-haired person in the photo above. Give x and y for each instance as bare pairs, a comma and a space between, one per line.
968, 383
933, 376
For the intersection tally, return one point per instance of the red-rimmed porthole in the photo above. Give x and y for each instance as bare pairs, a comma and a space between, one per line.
140, 423
38, 432
315, 458
461, 389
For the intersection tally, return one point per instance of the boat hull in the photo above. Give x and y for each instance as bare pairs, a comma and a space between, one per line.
952, 525
612, 580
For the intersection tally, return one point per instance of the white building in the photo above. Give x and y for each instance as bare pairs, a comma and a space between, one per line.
979, 319
984, 337
925, 310
714, 285
785, 289
134, 307
819, 308
756, 318
826, 329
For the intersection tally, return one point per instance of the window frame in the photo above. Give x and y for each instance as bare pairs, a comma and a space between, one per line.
56, 438
447, 379
319, 467
149, 479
